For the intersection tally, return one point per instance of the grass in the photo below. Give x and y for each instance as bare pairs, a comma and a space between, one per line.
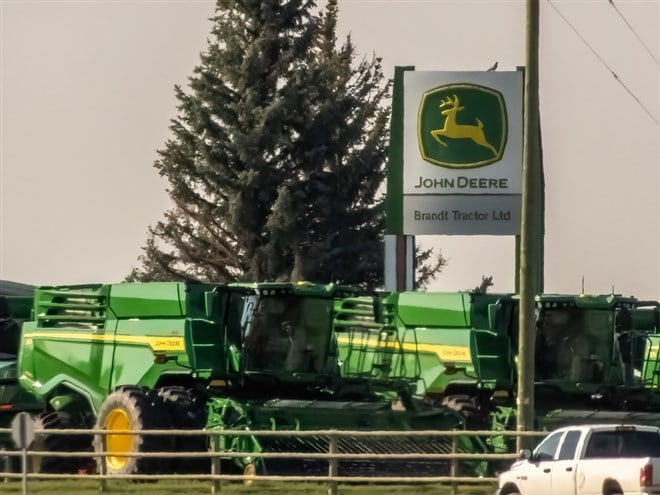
91, 487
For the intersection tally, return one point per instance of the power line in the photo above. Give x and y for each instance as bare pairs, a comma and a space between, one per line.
635, 33
604, 63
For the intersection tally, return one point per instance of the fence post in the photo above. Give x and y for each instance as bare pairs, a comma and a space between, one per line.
6, 461
453, 470
332, 465
215, 464
103, 466
24, 469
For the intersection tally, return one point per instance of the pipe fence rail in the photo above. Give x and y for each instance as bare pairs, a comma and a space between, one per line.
332, 457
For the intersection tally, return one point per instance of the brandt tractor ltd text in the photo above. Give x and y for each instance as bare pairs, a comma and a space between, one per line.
462, 216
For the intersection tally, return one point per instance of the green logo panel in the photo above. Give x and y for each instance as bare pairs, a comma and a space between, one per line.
462, 126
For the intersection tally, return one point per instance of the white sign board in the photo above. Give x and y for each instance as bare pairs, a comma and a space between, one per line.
462, 152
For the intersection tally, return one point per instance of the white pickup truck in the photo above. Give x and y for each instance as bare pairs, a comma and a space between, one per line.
589, 460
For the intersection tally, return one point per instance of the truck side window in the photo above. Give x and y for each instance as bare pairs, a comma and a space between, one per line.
568, 446
638, 444
547, 448
601, 444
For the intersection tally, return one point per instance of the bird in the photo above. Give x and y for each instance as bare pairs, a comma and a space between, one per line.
493, 67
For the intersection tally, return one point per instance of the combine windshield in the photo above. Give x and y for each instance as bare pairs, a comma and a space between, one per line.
574, 343
289, 333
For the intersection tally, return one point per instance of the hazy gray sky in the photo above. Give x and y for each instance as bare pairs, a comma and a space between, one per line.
86, 96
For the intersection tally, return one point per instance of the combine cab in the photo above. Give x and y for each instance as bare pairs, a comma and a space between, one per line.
192, 356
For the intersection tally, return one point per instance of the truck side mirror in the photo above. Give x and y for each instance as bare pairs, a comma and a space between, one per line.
525, 454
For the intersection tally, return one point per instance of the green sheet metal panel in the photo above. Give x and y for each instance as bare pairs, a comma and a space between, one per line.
140, 300
434, 309
138, 343
491, 355
479, 317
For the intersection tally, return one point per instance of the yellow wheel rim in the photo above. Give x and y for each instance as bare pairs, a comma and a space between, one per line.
251, 471
118, 444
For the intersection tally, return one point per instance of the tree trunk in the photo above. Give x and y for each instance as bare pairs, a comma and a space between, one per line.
297, 273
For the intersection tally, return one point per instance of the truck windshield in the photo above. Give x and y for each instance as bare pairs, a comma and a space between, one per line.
289, 333
574, 343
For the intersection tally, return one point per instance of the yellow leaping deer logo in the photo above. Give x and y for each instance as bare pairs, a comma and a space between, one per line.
460, 131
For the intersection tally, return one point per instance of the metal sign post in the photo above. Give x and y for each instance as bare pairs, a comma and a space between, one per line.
22, 433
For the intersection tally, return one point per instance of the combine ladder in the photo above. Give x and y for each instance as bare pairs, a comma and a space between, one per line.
651, 364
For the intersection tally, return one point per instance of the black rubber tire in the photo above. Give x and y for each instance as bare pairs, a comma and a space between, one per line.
185, 412
60, 443
135, 406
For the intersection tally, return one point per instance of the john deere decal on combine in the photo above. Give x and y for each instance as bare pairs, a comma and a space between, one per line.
189, 356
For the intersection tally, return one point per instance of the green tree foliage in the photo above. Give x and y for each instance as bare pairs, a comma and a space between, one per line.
427, 266
277, 156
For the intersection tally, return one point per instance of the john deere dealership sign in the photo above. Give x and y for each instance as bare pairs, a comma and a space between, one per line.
460, 154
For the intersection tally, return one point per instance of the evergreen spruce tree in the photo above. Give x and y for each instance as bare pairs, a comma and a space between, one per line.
277, 156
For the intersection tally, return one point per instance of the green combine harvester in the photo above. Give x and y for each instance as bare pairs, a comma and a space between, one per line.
15, 307
260, 356
597, 357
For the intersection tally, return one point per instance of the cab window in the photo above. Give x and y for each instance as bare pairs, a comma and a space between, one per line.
568, 446
547, 448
